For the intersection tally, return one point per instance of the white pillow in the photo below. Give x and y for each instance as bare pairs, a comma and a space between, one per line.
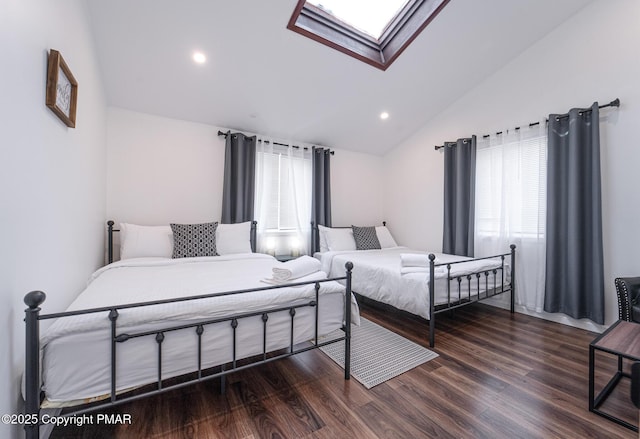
145, 241
385, 238
233, 238
340, 239
322, 231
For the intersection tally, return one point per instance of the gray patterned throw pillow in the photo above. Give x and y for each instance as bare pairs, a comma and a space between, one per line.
366, 238
193, 240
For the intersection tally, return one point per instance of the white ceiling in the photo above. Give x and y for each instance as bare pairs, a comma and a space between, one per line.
262, 78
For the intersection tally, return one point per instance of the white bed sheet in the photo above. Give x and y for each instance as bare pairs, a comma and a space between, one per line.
76, 350
376, 275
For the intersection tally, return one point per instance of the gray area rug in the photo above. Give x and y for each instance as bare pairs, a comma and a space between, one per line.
377, 354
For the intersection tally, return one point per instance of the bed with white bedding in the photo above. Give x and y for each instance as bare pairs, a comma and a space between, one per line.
143, 320
380, 274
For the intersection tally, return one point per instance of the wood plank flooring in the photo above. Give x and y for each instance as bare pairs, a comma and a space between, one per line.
498, 376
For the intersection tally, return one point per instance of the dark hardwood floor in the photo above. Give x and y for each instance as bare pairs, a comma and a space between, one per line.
498, 376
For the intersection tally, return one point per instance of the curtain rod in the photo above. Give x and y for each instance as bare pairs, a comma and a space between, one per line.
613, 103
220, 133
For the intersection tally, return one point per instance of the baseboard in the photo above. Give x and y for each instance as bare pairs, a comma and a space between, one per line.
564, 319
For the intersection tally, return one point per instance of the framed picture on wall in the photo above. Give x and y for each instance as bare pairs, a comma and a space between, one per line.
62, 89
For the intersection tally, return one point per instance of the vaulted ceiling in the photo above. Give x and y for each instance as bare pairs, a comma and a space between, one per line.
260, 77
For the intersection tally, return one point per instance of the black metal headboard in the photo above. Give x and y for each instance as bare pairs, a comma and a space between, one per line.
315, 235
111, 230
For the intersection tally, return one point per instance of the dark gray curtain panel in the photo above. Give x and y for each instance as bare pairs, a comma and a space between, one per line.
321, 187
459, 196
574, 260
239, 178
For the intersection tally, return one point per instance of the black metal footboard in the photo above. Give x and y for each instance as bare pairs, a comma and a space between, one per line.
34, 299
480, 285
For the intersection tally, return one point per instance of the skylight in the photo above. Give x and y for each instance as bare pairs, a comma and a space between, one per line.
375, 32
371, 17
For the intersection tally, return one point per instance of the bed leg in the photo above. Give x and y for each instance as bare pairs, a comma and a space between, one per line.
432, 331
32, 363
432, 298
223, 381
513, 278
347, 321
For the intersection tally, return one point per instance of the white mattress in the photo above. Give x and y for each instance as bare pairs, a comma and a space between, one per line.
376, 275
76, 351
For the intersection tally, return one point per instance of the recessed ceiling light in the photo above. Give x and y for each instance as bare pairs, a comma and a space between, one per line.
199, 57
384, 115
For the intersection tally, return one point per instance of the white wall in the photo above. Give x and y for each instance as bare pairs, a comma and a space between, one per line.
592, 56
165, 170
52, 183
162, 170
356, 189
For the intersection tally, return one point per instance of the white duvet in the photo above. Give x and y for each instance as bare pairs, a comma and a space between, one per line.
377, 275
76, 350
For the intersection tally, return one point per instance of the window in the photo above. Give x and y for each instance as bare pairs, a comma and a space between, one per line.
376, 19
279, 200
511, 197
375, 32
511, 186
283, 197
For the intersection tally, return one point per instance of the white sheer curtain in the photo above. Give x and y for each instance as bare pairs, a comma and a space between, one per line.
283, 197
511, 205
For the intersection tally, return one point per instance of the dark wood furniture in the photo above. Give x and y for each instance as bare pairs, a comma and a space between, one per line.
622, 339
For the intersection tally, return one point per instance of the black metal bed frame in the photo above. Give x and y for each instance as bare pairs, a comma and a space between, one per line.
34, 299
473, 279
454, 301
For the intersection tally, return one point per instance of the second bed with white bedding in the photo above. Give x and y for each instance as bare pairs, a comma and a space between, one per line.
377, 275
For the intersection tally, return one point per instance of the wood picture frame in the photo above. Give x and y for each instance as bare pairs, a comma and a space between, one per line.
62, 89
